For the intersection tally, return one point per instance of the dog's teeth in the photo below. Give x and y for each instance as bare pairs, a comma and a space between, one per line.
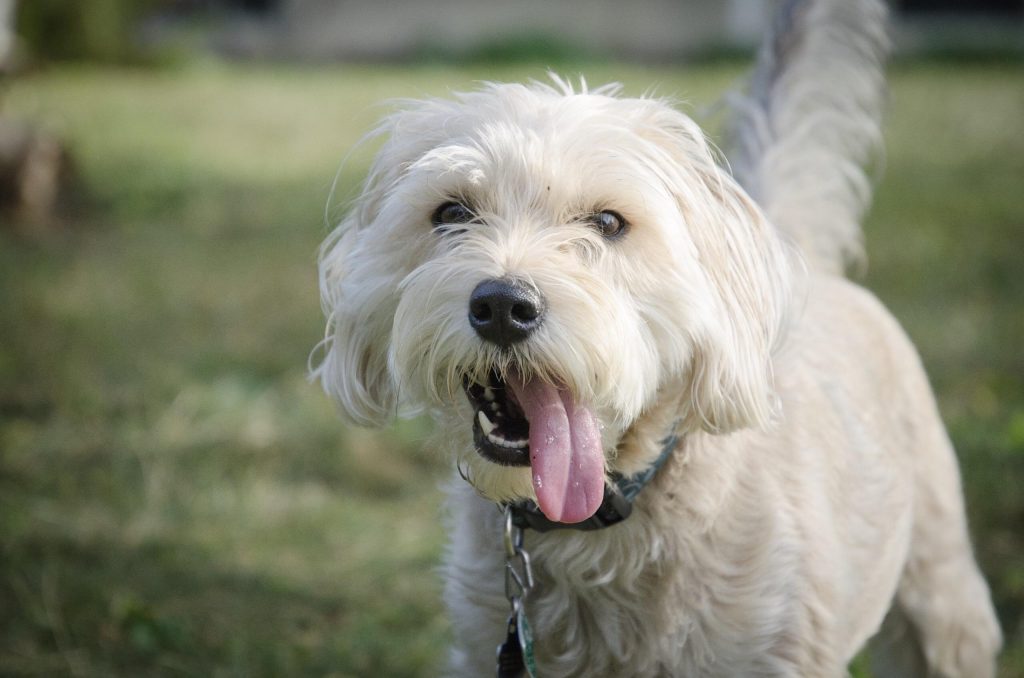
495, 407
511, 444
489, 394
485, 424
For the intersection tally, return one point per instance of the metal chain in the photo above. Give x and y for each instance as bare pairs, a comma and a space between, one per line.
515, 655
518, 571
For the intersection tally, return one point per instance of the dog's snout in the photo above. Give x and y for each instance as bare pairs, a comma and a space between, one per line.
505, 311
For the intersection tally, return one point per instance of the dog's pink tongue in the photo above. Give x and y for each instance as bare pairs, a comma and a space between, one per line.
565, 451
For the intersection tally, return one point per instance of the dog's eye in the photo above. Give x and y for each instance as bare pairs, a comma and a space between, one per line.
610, 224
452, 213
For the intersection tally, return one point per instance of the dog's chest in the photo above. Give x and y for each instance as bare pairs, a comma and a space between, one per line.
638, 599
600, 603
589, 611
631, 602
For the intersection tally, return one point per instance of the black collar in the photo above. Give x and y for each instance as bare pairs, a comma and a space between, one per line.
615, 507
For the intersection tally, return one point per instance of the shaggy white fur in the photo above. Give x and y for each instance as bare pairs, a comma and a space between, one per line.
814, 488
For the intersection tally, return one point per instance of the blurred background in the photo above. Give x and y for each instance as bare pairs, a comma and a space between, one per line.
177, 499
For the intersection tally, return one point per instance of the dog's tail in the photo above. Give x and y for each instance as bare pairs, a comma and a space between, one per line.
810, 123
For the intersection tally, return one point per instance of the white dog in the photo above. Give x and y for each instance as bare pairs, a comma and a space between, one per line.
598, 316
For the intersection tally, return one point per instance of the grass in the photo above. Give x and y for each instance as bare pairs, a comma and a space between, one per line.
176, 499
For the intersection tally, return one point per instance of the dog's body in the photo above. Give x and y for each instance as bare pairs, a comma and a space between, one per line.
564, 279
761, 554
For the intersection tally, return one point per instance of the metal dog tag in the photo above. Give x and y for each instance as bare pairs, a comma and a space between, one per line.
525, 634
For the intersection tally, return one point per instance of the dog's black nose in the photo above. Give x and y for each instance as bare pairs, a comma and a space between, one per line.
505, 311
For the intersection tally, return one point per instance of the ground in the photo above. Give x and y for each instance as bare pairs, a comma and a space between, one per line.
177, 499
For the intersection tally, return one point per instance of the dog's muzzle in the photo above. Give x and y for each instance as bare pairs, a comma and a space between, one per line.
505, 311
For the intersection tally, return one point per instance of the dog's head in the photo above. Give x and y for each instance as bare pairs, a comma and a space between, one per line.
536, 266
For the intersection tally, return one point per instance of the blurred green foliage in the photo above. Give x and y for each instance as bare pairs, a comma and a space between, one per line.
177, 499
96, 30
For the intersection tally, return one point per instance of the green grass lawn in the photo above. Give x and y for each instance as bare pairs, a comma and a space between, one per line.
176, 498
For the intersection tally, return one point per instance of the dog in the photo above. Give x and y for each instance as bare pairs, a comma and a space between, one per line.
613, 330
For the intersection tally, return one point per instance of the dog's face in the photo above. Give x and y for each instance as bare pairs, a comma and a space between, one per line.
538, 268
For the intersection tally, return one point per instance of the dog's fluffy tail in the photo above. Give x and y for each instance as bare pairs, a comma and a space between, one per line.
809, 124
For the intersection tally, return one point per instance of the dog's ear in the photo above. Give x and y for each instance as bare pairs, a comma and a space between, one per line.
360, 311
361, 268
359, 295
749, 271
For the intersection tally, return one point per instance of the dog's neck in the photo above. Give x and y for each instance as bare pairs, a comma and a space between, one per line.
641, 444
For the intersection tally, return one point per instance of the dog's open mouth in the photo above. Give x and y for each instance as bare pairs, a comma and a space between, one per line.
519, 422
500, 429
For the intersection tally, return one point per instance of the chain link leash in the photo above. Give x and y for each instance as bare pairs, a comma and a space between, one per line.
515, 655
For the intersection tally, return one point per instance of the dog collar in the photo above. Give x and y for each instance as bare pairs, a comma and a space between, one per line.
616, 505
